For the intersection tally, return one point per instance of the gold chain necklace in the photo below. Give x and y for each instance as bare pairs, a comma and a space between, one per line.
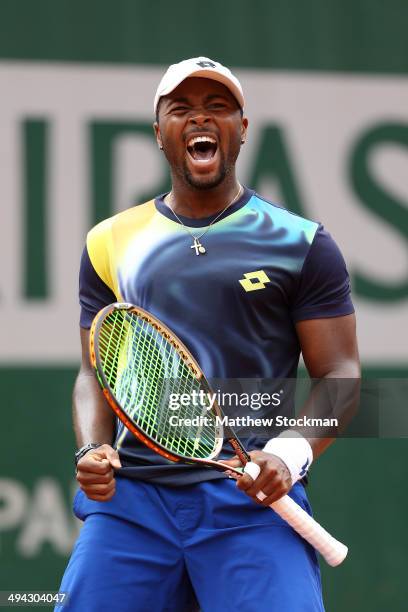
197, 246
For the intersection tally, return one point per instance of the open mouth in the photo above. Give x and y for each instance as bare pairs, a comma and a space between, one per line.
202, 148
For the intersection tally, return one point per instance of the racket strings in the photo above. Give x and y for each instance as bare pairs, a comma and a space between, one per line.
148, 350
144, 370
127, 381
111, 340
178, 380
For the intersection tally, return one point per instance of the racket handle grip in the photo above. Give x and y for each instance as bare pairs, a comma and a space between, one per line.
333, 551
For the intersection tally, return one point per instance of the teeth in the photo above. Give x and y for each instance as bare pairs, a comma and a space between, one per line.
196, 139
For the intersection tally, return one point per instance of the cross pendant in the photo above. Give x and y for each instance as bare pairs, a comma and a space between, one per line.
199, 249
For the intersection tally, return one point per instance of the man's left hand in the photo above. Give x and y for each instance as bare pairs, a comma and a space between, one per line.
274, 479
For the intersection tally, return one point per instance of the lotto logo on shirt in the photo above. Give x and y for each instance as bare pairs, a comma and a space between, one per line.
254, 280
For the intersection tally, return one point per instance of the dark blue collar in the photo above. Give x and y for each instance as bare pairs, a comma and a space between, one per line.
202, 221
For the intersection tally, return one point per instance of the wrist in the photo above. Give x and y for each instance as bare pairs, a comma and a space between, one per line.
85, 449
294, 450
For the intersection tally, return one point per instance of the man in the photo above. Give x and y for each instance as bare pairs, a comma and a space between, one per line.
246, 285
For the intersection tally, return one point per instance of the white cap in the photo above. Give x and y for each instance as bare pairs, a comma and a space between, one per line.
198, 67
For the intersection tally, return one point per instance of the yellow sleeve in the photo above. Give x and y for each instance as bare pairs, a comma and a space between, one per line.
100, 250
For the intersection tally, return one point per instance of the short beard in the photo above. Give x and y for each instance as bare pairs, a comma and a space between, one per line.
203, 184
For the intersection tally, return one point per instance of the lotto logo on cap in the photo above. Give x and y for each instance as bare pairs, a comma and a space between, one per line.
198, 67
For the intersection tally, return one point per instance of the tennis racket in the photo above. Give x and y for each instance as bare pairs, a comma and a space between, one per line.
140, 363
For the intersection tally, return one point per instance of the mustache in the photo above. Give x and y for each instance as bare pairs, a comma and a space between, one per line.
199, 132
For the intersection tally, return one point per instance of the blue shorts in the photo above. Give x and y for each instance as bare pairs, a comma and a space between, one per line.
207, 546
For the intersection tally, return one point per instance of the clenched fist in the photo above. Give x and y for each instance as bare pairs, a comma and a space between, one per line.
95, 472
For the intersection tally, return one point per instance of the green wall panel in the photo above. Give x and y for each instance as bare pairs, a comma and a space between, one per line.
346, 35
36, 456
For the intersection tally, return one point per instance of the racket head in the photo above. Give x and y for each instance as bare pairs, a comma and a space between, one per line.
139, 362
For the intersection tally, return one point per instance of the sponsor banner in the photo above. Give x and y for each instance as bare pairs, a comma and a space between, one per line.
77, 145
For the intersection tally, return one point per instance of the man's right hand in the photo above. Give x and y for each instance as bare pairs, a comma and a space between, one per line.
95, 472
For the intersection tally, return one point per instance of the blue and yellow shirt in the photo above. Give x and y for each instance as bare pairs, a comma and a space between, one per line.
235, 307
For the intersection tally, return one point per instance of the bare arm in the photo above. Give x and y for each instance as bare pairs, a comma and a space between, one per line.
329, 349
94, 422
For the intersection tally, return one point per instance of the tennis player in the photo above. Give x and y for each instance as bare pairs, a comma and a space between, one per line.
247, 286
